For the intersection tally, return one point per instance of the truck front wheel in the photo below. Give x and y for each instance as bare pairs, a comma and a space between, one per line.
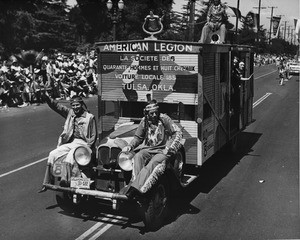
157, 207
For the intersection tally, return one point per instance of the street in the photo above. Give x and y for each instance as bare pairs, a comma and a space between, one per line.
251, 194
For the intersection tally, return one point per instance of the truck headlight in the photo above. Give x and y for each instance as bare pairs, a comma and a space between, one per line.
125, 160
82, 155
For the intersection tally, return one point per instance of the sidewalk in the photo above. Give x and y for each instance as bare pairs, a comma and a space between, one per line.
12, 111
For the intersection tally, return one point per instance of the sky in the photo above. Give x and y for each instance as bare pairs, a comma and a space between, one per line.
288, 8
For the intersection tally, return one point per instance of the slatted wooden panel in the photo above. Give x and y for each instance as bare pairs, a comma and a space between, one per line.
190, 133
208, 149
209, 83
217, 85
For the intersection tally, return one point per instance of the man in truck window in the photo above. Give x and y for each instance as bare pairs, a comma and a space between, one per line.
79, 130
161, 137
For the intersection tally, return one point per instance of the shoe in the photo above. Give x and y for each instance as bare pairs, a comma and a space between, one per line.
23, 105
43, 189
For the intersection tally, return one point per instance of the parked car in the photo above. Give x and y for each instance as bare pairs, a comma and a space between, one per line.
294, 67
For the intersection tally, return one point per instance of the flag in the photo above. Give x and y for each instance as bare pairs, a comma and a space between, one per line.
236, 11
297, 29
233, 15
275, 23
279, 33
295, 22
252, 20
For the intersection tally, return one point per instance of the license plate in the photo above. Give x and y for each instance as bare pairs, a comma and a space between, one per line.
80, 182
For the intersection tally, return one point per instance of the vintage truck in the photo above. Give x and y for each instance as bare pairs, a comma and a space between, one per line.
192, 83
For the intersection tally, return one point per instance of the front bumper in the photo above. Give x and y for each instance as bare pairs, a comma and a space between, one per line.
88, 192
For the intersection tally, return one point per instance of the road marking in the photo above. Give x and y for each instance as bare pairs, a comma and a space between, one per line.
96, 230
261, 99
20, 168
266, 74
103, 230
91, 230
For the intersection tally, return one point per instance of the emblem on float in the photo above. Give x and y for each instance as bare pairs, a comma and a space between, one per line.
153, 25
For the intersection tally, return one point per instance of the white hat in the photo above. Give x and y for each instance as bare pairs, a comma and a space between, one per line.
17, 74
82, 78
4, 69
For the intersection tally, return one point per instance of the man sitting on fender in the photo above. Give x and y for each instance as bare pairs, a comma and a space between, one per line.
79, 130
161, 137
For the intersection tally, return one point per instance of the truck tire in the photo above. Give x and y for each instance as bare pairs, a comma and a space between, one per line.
178, 165
157, 207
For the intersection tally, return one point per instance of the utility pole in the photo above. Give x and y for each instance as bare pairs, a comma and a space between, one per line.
259, 8
236, 24
192, 19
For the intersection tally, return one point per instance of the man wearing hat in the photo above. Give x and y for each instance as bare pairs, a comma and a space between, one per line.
80, 129
161, 137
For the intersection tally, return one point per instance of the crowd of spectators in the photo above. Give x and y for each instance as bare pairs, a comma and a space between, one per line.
264, 59
60, 74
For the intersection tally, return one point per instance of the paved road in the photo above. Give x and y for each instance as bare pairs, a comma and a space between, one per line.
253, 194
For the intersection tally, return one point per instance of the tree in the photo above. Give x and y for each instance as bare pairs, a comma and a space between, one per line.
35, 24
53, 28
95, 12
15, 23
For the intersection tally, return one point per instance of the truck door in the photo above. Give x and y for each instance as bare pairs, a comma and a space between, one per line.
242, 92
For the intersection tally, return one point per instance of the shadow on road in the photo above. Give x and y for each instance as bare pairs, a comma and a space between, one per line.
210, 174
